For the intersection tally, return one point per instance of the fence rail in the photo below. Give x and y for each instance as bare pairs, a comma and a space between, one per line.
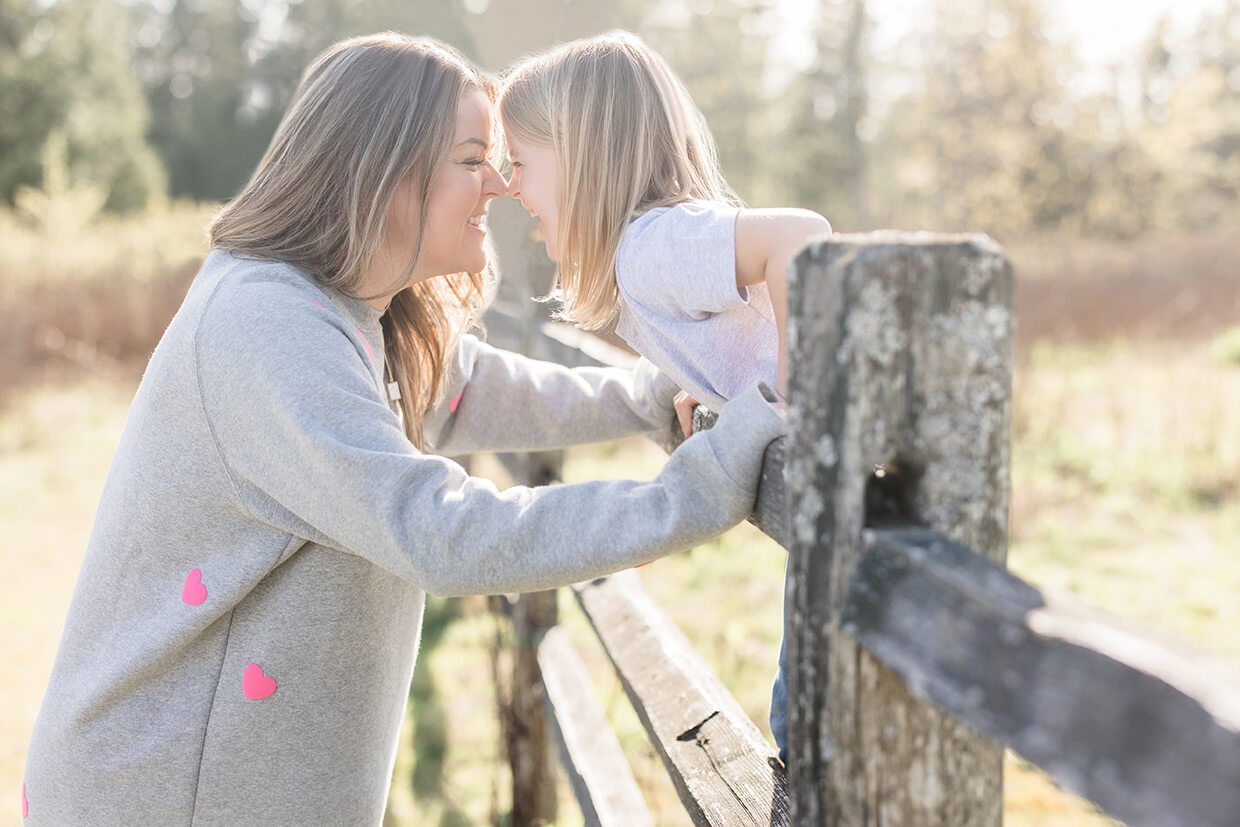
589, 751
1146, 733
914, 657
723, 768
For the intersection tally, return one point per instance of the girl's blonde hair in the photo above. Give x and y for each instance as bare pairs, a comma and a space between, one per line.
370, 113
628, 138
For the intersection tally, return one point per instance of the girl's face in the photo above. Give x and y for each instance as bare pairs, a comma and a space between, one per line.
536, 183
456, 210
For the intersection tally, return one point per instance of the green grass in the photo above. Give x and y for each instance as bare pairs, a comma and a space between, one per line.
1226, 347
1126, 485
1126, 479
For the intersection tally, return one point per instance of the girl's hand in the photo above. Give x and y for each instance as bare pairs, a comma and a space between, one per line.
684, 405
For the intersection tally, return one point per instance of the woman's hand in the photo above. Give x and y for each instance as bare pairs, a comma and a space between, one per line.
684, 405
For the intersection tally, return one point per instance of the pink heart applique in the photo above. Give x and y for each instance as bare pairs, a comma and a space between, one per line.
255, 685
456, 401
25, 803
193, 592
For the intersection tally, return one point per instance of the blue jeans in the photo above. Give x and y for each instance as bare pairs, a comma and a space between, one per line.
779, 692
779, 704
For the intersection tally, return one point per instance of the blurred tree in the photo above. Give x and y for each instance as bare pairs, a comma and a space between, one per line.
1154, 72
1198, 133
505, 30
219, 74
60, 207
208, 122
64, 69
312, 25
823, 148
981, 144
1120, 183
719, 49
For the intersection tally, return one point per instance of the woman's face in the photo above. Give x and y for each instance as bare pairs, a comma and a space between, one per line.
536, 183
456, 210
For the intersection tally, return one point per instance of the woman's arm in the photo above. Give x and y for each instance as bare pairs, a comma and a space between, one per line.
313, 450
496, 400
766, 241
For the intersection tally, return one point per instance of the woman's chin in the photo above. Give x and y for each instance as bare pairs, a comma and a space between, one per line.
476, 263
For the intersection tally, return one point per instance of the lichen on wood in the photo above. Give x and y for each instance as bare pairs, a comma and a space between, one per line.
901, 354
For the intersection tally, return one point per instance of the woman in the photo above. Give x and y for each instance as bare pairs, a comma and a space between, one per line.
243, 631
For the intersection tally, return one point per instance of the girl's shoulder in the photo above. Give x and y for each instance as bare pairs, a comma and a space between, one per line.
685, 214
662, 230
667, 246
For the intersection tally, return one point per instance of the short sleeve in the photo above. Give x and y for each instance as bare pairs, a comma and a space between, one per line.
681, 260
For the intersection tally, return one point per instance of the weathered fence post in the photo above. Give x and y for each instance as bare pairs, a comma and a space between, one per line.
531, 752
899, 413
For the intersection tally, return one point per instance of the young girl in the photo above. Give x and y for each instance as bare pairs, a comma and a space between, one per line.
243, 631
609, 152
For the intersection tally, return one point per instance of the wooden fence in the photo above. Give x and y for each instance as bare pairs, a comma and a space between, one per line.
914, 656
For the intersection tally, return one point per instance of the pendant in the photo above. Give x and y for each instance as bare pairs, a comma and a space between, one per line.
393, 391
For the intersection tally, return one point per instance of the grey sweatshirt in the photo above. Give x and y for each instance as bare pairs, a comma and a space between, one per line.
242, 635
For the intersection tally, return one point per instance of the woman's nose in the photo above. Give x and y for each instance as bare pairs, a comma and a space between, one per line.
495, 184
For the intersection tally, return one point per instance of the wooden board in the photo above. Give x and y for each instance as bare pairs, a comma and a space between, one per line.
589, 751
1145, 731
724, 770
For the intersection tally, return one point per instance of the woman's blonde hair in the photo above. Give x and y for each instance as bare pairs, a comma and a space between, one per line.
370, 112
628, 138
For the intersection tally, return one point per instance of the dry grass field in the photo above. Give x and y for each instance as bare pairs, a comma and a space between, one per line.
1126, 481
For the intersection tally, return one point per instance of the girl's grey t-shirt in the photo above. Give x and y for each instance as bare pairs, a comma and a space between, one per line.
681, 307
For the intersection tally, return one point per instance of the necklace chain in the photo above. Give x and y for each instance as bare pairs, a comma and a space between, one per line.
393, 387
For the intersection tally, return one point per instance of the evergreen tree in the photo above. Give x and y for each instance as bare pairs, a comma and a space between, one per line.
719, 49
505, 30
1190, 119
209, 122
1202, 133
219, 73
64, 70
826, 157
981, 144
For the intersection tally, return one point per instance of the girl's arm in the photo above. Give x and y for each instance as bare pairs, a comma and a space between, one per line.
766, 241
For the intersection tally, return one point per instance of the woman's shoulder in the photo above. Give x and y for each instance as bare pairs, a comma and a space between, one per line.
237, 269
260, 295
257, 284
